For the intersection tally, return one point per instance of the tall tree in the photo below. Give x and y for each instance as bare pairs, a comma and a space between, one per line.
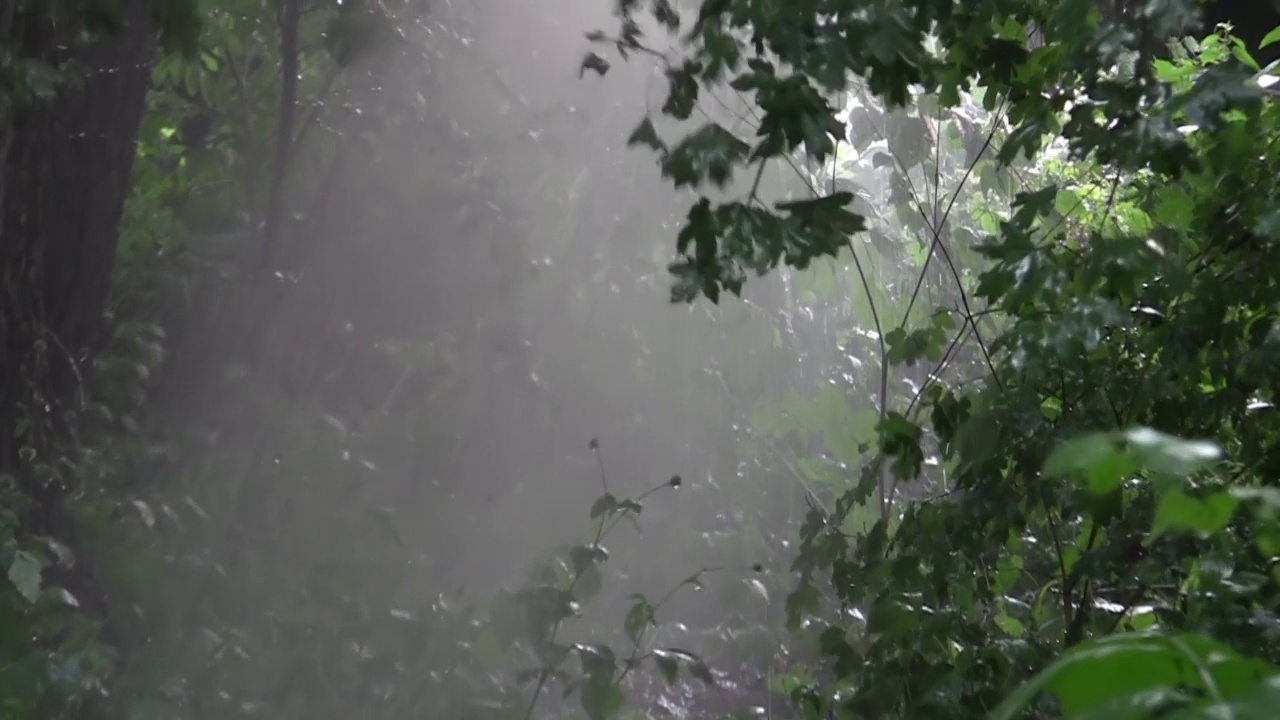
69, 156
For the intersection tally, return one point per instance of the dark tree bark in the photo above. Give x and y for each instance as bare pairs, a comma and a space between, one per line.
65, 180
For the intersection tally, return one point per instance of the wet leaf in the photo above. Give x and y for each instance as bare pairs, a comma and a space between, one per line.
639, 618
583, 556
1179, 512
668, 665
606, 504
1168, 455
1123, 668
25, 571
695, 665
592, 61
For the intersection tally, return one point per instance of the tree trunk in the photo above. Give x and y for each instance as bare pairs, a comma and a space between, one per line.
66, 176
289, 19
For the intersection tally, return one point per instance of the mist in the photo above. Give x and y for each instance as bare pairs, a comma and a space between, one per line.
385, 372
456, 358
534, 304
472, 298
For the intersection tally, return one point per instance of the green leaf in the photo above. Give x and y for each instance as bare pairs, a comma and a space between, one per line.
835, 644
599, 693
1079, 455
1271, 38
668, 665
584, 556
1179, 512
829, 211
803, 601
891, 617
598, 661
25, 573
546, 605
1174, 207
908, 348
1066, 202
709, 153
1168, 455
1113, 669
1110, 472
1010, 624
695, 664
701, 671
601, 700
1095, 457
682, 93
1008, 570
1258, 704
639, 618
606, 504
1106, 464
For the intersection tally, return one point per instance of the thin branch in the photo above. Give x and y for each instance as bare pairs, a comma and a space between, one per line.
977, 336
884, 354
545, 674
936, 228
1062, 562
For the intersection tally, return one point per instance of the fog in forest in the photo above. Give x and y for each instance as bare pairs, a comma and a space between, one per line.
473, 297
538, 303
466, 339
502, 360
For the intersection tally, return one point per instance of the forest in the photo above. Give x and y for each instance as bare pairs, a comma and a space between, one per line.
639, 359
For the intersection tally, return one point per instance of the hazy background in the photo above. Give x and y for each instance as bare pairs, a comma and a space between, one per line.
556, 289
390, 310
472, 288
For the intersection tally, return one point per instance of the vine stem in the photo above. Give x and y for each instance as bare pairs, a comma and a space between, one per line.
545, 673
607, 522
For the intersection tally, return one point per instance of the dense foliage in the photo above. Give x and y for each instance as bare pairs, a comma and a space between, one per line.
990, 435
1123, 301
